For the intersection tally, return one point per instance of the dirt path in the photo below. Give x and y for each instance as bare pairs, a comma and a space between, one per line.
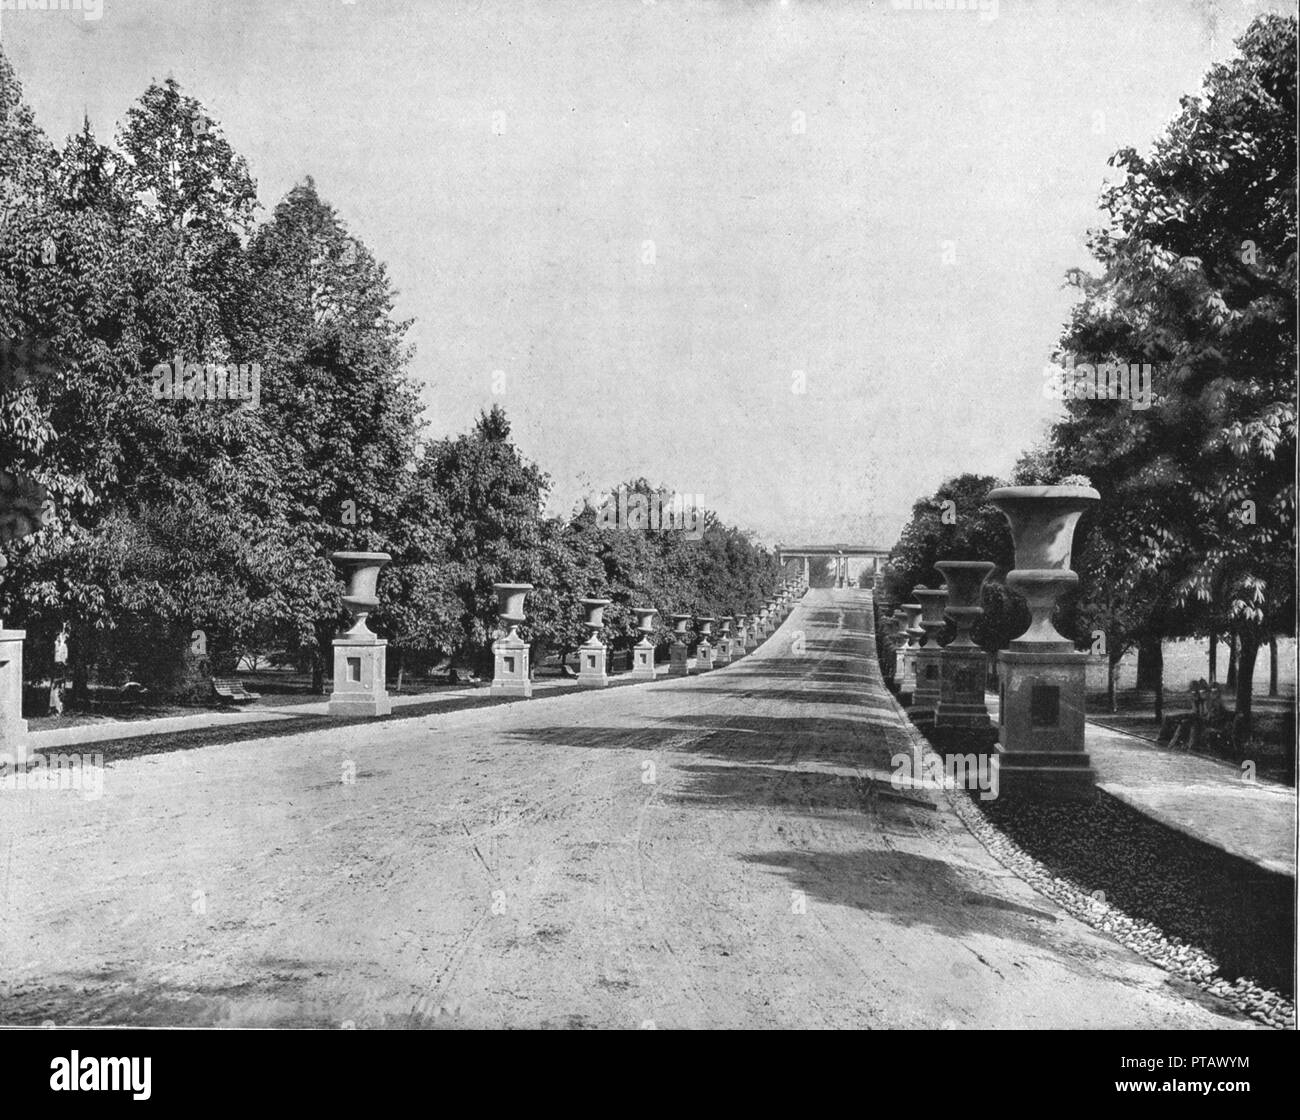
719, 852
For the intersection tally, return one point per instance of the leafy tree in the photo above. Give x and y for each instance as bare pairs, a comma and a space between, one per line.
1199, 280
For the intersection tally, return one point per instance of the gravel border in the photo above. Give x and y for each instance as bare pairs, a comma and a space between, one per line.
1264, 1005
1146, 939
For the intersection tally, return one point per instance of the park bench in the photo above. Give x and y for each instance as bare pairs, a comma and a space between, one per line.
232, 689
1189, 730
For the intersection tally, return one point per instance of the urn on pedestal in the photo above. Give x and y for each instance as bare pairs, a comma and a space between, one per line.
925, 696
722, 647
962, 665
359, 655
704, 648
740, 639
591, 654
907, 654
510, 675
643, 653
1041, 677
678, 659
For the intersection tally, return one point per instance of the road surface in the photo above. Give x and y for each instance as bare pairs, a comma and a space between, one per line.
725, 851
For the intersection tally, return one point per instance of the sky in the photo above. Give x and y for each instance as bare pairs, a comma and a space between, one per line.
804, 259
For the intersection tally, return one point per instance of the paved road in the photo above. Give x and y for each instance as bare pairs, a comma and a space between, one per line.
719, 852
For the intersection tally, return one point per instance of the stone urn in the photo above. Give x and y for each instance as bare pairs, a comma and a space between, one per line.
681, 626
645, 622
912, 624
1042, 521
360, 571
900, 626
704, 624
593, 611
933, 601
510, 606
965, 579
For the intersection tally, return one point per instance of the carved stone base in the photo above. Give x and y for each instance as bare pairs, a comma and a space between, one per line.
510, 673
359, 688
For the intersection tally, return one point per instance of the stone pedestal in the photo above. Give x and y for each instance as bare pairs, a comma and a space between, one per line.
961, 688
359, 677
591, 654
1042, 679
704, 650
643, 653
1041, 725
678, 652
753, 633
360, 656
510, 667
591, 664
510, 653
14, 744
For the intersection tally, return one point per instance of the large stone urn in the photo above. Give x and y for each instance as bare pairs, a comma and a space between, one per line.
510, 674
925, 696
643, 653
591, 654
704, 648
359, 655
678, 651
1042, 679
963, 664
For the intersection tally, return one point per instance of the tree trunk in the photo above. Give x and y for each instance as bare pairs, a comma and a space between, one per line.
1160, 700
79, 655
1112, 677
1272, 664
1245, 680
323, 656
1232, 661
1214, 657
1151, 664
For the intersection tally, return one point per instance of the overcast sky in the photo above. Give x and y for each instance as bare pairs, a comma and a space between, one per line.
659, 220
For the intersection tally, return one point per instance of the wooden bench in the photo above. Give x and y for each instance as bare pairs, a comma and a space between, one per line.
1203, 725
232, 689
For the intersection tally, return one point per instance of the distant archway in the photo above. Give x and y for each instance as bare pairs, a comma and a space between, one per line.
847, 563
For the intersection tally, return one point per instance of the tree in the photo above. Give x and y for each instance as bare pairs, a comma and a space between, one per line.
1199, 281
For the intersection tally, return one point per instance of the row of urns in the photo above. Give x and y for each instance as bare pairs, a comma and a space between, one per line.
510, 610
